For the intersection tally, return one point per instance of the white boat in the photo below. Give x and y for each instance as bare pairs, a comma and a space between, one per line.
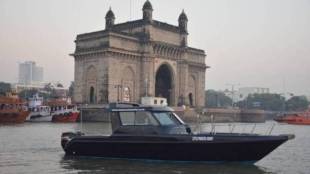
38, 112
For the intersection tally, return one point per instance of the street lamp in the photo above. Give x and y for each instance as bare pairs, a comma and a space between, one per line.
232, 92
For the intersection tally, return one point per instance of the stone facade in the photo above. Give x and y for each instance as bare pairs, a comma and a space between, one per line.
142, 57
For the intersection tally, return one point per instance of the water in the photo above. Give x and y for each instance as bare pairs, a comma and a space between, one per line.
35, 148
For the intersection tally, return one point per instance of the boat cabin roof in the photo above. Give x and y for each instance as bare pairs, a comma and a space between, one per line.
134, 107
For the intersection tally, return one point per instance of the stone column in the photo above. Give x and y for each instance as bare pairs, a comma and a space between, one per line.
183, 80
147, 77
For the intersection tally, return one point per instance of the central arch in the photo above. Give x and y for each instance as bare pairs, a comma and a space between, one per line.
163, 83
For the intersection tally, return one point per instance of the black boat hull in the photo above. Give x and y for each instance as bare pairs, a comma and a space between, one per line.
207, 147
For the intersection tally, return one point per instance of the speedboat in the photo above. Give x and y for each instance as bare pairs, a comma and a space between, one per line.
157, 133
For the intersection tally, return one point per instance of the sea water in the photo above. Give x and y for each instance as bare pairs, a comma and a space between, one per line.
35, 148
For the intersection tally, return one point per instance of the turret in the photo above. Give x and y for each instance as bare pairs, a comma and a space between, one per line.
183, 22
109, 19
147, 11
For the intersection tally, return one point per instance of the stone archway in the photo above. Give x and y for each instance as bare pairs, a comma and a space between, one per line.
192, 91
91, 84
163, 83
92, 95
128, 85
190, 98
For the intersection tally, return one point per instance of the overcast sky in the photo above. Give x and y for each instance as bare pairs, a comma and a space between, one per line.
260, 43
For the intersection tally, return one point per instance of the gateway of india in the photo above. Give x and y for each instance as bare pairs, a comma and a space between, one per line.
143, 57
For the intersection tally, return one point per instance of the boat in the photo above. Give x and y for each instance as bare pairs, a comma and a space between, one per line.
38, 111
63, 112
12, 110
157, 133
297, 118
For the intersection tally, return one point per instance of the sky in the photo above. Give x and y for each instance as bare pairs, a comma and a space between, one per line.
249, 43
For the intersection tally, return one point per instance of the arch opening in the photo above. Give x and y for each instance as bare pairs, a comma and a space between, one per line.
190, 98
128, 85
163, 83
92, 95
192, 91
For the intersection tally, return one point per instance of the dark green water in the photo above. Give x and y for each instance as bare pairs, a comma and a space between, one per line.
35, 148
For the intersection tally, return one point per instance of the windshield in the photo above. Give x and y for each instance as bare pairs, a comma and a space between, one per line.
137, 118
166, 118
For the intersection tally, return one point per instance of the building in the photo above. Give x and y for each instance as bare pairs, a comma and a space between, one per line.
144, 57
30, 73
58, 90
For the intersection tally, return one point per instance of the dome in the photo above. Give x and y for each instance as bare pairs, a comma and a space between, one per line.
110, 14
147, 6
183, 16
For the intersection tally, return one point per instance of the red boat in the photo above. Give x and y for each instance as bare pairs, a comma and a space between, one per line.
12, 110
299, 118
63, 112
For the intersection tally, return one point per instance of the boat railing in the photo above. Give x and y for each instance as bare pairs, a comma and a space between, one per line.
265, 128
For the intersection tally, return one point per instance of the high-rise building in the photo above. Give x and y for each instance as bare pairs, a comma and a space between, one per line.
30, 73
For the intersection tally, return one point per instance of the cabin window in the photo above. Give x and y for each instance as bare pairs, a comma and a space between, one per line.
137, 118
166, 118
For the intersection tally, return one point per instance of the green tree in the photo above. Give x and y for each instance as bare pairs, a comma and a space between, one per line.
71, 89
297, 103
27, 93
216, 99
4, 88
267, 101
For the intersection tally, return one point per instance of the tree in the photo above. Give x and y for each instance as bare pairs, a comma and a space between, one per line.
59, 85
71, 89
27, 93
216, 99
4, 88
267, 101
297, 103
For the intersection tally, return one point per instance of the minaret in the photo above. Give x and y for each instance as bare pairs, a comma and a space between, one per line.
183, 28
109, 19
147, 11
183, 22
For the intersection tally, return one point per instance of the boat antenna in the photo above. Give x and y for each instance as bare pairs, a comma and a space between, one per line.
130, 10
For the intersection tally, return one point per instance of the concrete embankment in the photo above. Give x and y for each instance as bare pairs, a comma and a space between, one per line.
96, 113
221, 115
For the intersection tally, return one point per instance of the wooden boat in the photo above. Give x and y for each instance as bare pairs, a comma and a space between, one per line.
157, 133
12, 110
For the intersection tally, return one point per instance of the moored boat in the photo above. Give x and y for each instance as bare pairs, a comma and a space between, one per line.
298, 118
39, 111
157, 133
63, 112
12, 110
